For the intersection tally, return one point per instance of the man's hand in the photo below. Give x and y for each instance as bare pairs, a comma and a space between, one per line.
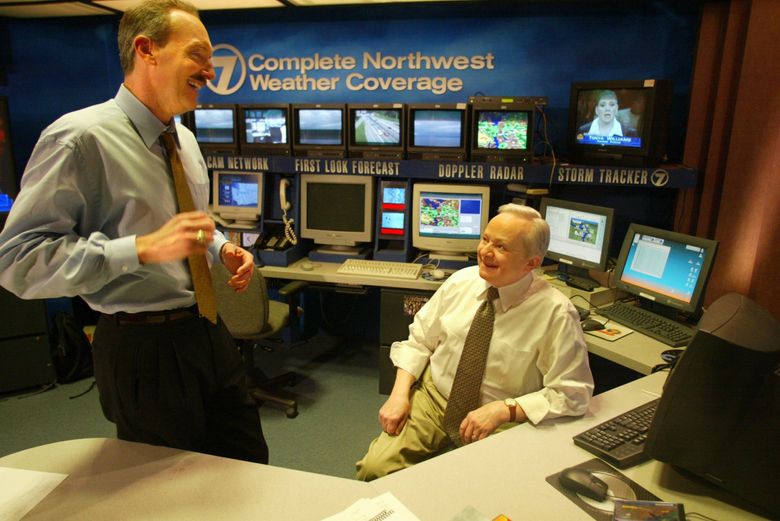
394, 413
177, 239
481, 423
240, 263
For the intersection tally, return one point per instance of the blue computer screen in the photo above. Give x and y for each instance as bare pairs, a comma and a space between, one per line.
664, 266
238, 190
437, 128
448, 215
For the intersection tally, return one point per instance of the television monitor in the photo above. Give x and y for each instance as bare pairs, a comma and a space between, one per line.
667, 270
437, 131
502, 130
265, 129
393, 209
8, 180
619, 122
237, 197
376, 130
337, 211
580, 236
216, 128
319, 129
449, 219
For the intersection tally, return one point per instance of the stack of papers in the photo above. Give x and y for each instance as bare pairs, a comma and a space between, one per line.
381, 508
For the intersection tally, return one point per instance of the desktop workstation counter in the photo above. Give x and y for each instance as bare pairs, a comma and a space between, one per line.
503, 474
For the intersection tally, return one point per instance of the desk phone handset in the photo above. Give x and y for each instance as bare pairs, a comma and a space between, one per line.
282, 242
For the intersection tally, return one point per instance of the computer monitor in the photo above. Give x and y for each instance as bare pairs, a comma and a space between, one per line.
449, 219
238, 197
437, 131
619, 122
580, 236
319, 130
337, 211
667, 270
502, 130
376, 130
215, 128
393, 210
265, 129
8, 179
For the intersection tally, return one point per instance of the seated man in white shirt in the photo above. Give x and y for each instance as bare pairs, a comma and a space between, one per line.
537, 365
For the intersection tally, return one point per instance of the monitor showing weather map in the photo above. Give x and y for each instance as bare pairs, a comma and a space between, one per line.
377, 127
447, 215
501, 129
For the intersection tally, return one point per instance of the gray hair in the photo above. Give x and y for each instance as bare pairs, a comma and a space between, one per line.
151, 19
538, 239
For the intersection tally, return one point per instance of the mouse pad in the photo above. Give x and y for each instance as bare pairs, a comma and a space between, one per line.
620, 487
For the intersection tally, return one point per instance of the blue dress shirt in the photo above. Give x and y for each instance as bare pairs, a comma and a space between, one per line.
97, 178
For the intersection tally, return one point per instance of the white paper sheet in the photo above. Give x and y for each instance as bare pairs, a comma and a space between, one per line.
381, 508
21, 490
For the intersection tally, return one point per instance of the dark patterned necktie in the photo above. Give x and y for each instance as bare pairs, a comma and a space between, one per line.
465, 393
199, 268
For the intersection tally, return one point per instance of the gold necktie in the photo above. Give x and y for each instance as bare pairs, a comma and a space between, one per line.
465, 394
199, 268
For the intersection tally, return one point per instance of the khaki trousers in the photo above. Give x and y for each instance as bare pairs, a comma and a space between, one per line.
422, 437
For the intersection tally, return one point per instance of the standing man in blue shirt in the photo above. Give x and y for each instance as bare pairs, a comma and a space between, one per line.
98, 217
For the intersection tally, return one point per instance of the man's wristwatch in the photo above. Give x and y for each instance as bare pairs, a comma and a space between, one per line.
512, 404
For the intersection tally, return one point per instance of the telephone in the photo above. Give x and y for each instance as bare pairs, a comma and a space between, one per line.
289, 231
274, 242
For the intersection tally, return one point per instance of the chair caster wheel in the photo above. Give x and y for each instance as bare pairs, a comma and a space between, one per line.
291, 412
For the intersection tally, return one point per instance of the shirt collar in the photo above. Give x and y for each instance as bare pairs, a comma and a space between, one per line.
511, 295
146, 124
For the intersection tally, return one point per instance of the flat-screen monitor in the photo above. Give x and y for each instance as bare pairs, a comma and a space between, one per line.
619, 122
238, 197
8, 181
337, 211
265, 129
216, 128
580, 236
437, 131
449, 219
376, 130
502, 130
393, 209
665, 268
319, 130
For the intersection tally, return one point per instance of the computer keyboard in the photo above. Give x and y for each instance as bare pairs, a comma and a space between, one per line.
661, 328
376, 268
620, 440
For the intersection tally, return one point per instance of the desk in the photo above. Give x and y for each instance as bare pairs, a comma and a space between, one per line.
505, 473
636, 351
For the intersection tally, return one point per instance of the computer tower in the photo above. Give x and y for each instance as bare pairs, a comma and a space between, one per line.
719, 416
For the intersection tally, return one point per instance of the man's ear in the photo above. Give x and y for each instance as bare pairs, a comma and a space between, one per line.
144, 49
534, 262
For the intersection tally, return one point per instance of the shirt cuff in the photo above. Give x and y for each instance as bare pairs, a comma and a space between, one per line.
218, 242
122, 255
535, 406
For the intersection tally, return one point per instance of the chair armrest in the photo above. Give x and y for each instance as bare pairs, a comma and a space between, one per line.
292, 288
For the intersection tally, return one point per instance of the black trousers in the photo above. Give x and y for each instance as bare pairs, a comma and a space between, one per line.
180, 384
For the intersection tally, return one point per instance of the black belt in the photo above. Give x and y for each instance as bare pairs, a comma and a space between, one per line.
152, 317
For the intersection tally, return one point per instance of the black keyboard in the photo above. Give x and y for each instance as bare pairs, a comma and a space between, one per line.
621, 440
646, 322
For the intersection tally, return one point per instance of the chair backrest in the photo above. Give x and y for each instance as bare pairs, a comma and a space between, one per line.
245, 314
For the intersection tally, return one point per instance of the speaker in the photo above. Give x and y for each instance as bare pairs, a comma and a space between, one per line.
719, 415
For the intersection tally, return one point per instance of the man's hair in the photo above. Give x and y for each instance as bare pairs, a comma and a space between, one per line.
151, 19
606, 94
536, 241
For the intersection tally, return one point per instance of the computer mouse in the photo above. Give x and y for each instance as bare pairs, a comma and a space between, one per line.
591, 324
584, 483
307, 266
438, 274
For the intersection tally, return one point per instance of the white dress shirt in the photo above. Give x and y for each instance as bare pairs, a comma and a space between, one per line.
537, 353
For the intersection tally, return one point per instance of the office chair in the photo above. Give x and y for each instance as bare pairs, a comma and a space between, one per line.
254, 319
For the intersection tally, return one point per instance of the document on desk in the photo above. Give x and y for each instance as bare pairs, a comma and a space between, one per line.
21, 490
381, 508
